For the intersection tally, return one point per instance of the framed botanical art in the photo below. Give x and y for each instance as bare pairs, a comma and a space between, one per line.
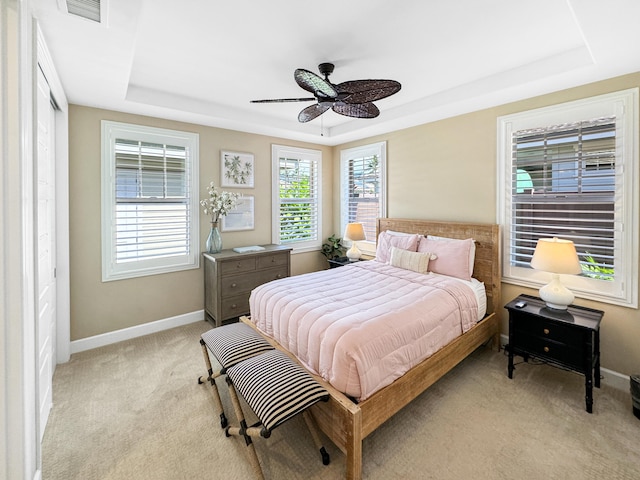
236, 169
241, 217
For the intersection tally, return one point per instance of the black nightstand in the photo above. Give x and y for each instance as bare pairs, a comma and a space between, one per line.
566, 338
339, 262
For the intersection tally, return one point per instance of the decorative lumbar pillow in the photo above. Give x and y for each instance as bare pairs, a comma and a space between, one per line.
414, 261
387, 239
455, 256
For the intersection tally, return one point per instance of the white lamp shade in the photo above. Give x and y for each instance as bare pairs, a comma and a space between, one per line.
354, 232
556, 256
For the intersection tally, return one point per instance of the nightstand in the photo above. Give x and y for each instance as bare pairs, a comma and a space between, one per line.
339, 262
565, 338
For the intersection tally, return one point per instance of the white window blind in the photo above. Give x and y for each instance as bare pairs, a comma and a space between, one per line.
563, 185
297, 189
571, 171
363, 187
150, 201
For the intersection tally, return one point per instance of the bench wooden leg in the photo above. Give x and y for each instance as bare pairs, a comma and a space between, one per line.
212, 380
243, 431
313, 429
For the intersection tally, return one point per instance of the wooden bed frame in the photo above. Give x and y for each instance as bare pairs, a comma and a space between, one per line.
348, 423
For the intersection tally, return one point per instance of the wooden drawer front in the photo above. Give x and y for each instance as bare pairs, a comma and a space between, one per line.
236, 284
265, 276
235, 306
238, 266
547, 329
571, 355
273, 260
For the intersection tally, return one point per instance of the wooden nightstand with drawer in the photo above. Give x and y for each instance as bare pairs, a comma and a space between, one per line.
566, 338
229, 278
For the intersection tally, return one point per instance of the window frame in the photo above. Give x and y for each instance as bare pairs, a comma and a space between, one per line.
284, 151
111, 270
346, 156
623, 290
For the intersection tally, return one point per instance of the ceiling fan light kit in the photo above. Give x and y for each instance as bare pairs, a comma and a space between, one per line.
353, 98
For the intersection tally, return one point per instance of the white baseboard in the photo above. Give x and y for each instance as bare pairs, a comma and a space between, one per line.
610, 378
137, 331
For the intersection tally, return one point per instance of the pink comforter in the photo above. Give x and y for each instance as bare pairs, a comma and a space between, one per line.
362, 326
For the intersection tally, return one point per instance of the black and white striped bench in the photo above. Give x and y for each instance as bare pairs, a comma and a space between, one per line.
276, 389
274, 386
229, 344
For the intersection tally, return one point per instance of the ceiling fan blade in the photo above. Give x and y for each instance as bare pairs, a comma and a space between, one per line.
363, 91
357, 110
283, 100
314, 84
313, 111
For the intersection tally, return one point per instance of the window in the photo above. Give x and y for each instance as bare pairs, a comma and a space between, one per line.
362, 187
571, 171
296, 197
149, 201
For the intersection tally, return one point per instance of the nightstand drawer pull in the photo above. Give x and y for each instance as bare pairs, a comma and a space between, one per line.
546, 349
546, 331
234, 285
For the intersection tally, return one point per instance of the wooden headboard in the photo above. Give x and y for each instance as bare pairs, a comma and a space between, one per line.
487, 238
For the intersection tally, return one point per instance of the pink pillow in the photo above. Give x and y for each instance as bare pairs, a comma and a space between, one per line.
455, 257
386, 240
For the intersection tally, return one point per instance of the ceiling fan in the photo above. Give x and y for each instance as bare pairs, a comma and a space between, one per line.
353, 98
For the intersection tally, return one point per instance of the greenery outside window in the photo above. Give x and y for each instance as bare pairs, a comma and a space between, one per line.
296, 180
363, 189
571, 171
149, 201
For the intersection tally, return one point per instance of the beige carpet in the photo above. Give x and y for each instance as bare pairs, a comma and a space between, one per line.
134, 410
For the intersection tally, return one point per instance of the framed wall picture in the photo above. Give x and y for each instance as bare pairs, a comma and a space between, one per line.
241, 217
236, 169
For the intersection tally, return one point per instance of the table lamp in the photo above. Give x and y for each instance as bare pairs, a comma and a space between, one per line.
354, 232
556, 256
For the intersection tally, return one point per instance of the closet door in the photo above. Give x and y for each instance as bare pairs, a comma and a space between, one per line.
45, 249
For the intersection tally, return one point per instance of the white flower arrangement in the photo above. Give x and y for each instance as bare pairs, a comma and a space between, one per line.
219, 204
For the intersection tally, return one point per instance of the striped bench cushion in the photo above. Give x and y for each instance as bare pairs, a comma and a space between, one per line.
275, 387
233, 343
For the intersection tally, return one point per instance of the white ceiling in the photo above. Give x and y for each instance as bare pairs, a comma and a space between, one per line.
201, 61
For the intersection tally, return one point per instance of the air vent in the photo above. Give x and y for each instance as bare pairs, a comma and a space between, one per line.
89, 9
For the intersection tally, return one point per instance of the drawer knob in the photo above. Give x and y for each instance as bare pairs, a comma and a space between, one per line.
234, 285
546, 349
279, 275
546, 331
234, 306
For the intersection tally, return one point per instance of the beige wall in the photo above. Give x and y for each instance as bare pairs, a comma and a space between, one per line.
447, 170
98, 307
442, 170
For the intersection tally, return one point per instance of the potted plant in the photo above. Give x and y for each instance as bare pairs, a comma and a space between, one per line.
333, 247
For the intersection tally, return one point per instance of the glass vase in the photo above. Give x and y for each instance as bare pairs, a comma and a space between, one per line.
214, 240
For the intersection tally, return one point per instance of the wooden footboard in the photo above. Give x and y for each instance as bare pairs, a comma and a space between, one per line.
346, 423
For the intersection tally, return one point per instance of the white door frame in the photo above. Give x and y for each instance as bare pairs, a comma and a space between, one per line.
19, 457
